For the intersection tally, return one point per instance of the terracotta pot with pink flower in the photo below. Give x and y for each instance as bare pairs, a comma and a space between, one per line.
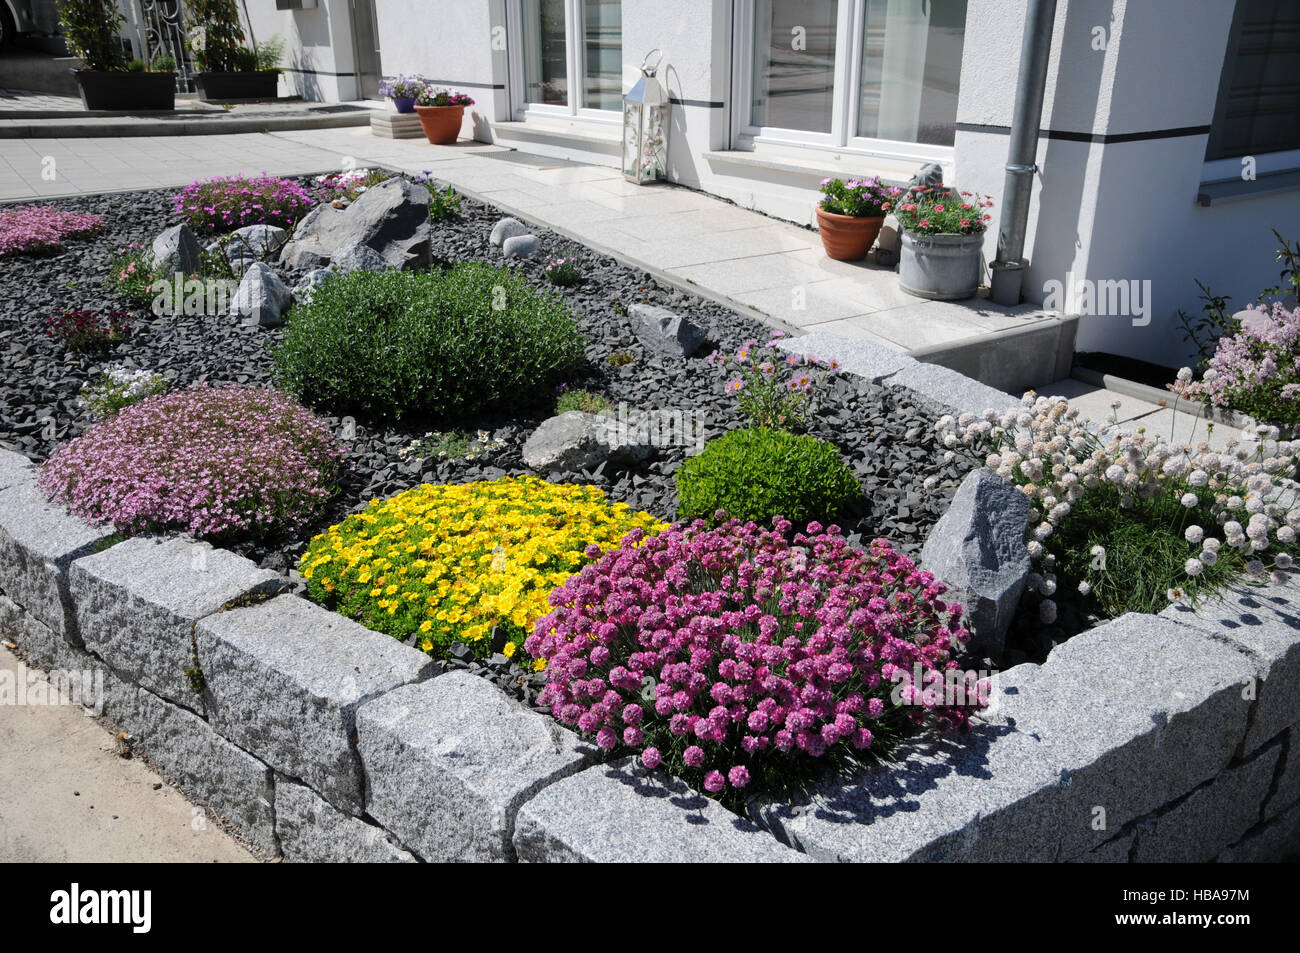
441, 112
850, 214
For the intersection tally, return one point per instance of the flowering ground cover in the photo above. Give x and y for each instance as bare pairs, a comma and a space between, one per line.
213, 462
25, 229
742, 659
230, 202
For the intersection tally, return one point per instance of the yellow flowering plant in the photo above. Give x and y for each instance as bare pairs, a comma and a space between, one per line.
460, 562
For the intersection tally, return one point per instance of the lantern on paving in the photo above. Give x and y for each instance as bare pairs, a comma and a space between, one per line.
645, 125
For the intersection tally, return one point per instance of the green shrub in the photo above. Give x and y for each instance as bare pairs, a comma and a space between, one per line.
758, 473
442, 343
90, 28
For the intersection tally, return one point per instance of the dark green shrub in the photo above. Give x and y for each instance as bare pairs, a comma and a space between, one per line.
758, 473
442, 343
90, 28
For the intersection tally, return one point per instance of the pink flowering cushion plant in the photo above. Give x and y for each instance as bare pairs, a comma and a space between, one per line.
42, 228
1256, 370
225, 204
742, 662
218, 463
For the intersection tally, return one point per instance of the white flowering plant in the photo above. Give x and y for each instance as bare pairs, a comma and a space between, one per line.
119, 387
1131, 520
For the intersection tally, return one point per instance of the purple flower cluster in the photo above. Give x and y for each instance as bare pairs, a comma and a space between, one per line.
30, 228
1256, 370
224, 204
215, 462
729, 655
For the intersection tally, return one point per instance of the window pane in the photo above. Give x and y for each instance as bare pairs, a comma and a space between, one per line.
1259, 106
602, 51
911, 67
794, 64
546, 74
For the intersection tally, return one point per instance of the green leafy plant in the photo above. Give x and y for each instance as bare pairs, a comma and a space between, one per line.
163, 64
443, 203
1203, 330
84, 332
441, 343
759, 473
859, 198
583, 400
91, 28
215, 38
135, 66
268, 53
621, 358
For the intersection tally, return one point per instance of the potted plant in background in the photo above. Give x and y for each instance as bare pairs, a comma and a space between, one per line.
229, 71
850, 214
105, 79
403, 91
943, 235
441, 112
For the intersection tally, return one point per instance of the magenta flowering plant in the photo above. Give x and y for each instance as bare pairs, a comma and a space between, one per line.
773, 388
744, 662
231, 202
1256, 370
562, 271
25, 229
217, 462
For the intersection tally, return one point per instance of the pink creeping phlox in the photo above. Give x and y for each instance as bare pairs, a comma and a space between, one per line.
225, 204
729, 650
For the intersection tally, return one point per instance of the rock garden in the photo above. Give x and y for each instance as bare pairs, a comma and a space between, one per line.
696, 555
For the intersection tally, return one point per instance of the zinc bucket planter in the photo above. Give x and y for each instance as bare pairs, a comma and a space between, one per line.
846, 237
940, 267
441, 124
122, 91
230, 87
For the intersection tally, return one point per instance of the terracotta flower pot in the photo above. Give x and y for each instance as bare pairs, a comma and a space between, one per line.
441, 124
845, 237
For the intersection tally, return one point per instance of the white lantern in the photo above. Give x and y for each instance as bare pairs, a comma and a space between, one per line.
645, 126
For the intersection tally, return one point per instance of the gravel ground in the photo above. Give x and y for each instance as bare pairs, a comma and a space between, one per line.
882, 432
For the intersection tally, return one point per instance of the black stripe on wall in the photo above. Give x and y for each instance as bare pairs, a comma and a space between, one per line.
1068, 136
702, 103
313, 72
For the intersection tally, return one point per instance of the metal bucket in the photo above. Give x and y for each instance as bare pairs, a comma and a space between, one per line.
941, 267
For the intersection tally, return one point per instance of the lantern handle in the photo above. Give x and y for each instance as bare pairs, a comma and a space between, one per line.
652, 69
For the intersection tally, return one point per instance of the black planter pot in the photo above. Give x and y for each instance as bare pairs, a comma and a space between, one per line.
231, 87
126, 92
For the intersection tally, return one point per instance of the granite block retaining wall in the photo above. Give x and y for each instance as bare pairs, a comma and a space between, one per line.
1169, 737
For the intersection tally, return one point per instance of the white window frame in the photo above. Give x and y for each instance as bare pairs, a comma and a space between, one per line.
521, 108
849, 29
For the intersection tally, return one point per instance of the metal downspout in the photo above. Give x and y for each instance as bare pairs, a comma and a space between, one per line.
1022, 151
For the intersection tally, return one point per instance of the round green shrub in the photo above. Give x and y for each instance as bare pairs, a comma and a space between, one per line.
759, 473
443, 343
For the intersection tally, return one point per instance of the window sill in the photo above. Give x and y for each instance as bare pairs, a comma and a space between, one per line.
593, 134
818, 165
1236, 190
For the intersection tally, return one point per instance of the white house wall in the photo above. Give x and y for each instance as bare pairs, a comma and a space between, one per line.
1114, 198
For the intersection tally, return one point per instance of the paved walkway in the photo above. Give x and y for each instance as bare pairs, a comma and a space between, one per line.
66, 796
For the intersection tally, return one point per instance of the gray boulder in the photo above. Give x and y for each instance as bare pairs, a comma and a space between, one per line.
575, 441
521, 246
357, 258
261, 298
302, 291
664, 331
392, 218
177, 249
978, 549
507, 228
253, 243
